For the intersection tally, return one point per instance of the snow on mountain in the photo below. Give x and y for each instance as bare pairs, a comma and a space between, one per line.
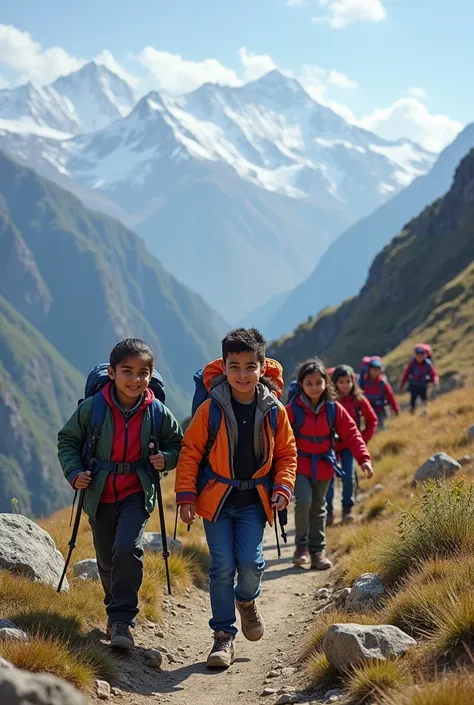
84, 101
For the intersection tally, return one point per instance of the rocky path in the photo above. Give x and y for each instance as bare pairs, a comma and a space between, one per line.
287, 603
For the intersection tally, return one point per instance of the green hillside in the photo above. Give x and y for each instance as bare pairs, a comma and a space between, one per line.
419, 287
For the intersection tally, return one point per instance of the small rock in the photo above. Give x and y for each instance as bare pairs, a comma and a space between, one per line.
181, 606
152, 541
151, 625
347, 645
437, 467
87, 569
102, 688
160, 634
366, 592
174, 613
286, 689
116, 691
290, 635
268, 691
378, 488
470, 432
335, 693
7, 624
291, 614
287, 698
273, 674
171, 658
287, 672
341, 599
8, 634
154, 658
181, 650
465, 460
322, 594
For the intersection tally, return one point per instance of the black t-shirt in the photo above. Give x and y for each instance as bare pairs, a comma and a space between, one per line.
245, 462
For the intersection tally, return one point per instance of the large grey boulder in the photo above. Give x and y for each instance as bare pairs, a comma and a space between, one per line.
437, 467
87, 569
22, 688
152, 541
27, 549
347, 645
366, 592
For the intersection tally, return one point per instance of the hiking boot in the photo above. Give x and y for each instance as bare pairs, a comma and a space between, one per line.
330, 519
347, 516
300, 556
319, 561
251, 620
121, 636
222, 653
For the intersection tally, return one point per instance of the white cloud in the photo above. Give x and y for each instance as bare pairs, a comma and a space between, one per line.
26, 56
174, 74
255, 65
106, 58
416, 92
410, 118
342, 13
340, 80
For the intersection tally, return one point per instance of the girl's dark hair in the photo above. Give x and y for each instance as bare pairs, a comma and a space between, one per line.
131, 347
316, 365
347, 371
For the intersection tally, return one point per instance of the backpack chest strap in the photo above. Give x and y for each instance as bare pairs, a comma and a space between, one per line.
117, 468
243, 485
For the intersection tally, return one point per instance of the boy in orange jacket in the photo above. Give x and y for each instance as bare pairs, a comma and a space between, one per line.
249, 471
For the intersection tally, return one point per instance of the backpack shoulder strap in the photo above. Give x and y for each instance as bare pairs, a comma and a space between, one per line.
298, 415
331, 414
96, 421
156, 414
274, 419
214, 422
200, 391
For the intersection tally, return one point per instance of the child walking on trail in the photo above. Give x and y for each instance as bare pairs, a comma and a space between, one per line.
234, 487
419, 374
350, 396
378, 391
317, 420
120, 480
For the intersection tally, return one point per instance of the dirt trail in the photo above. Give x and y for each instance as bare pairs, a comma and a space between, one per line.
287, 603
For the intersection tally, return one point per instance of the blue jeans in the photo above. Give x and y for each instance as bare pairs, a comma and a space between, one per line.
235, 543
117, 531
347, 463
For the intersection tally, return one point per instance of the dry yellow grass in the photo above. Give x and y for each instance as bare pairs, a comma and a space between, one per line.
455, 690
366, 683
321, 673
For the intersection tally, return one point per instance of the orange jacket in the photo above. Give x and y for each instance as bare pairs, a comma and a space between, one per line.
275, 453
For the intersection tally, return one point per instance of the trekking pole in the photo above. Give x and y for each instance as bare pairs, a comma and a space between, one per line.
276, 532
72, 541
161, 512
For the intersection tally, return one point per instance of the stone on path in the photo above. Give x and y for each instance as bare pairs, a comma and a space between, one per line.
87, 569
102, 689
438, 467
28, 550
152, 541
322, 594
154, 658
23, 688
366, 592
347, 645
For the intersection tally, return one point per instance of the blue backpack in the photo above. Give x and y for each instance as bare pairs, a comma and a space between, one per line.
215, 418
96, 380
294, 390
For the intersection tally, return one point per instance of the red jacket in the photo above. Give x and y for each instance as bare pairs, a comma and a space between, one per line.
316, 424
379, 393
357, 409
126, 448
423, 373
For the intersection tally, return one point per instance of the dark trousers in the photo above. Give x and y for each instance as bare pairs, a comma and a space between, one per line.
381, 417
418, 390
117, 531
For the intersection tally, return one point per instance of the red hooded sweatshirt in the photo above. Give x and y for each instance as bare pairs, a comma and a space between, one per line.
126, 447
357, 408
316, 424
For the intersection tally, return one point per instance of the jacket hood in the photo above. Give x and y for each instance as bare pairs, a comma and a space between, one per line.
213, 374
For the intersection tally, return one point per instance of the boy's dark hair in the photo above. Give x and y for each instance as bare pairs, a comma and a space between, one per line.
244, 340
309, 367
131, 347
347, 371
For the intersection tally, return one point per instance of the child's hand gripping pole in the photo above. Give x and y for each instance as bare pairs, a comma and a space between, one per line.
159, 497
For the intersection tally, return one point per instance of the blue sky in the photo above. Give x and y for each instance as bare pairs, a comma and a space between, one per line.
399, 67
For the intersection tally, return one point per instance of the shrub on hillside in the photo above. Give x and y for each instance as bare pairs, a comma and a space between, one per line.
374, 679
457, 690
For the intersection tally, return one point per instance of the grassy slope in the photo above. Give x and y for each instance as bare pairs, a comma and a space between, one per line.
428, 561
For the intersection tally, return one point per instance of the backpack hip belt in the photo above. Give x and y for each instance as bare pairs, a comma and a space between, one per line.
117, 468
243, 485
329, 456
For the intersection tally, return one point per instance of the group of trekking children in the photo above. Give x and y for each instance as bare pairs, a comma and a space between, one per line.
240, 461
